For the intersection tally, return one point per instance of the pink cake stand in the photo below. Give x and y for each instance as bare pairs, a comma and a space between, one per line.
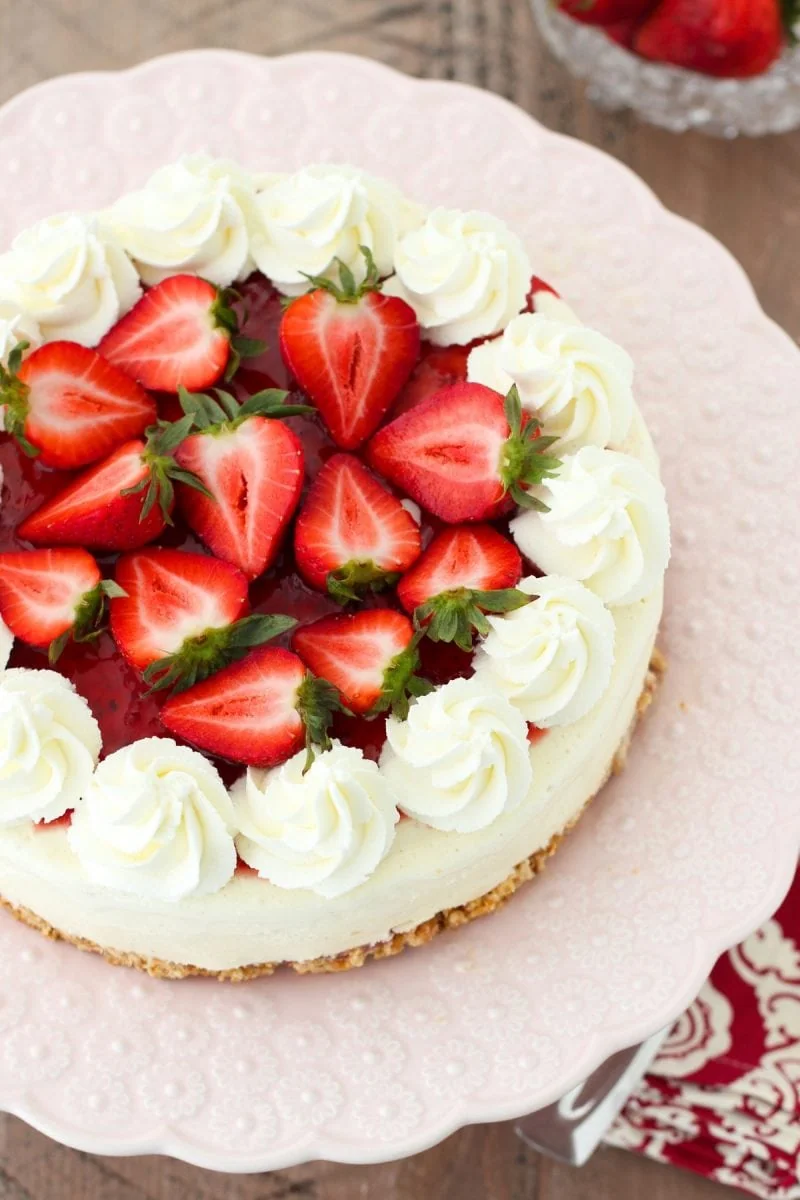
684, 855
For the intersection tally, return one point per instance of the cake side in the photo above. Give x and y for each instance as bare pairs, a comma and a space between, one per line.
395, 943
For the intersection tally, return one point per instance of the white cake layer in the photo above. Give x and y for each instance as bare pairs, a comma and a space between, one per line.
251, 921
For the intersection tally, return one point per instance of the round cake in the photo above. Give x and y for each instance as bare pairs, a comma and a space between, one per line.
332, 548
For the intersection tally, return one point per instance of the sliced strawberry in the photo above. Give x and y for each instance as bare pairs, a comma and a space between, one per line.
183, 616
252, 466
179, 333
351, 349
68, 407
465, 454
729, 38
48, 597
606, 12
352, 535
466, 556
464, 573
438, 367
259, 711
370, 657
118, 504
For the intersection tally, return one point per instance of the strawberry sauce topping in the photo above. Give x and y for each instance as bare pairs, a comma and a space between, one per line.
114, 690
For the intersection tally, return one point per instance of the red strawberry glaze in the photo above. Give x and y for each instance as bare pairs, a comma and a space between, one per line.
113, 690
64, 820
535, 734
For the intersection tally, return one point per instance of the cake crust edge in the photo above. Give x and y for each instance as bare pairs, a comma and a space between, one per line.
450, 918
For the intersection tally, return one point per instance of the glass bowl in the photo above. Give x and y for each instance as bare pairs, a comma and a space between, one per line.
668, 96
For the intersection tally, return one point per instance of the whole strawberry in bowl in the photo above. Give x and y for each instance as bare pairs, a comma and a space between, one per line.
721, 66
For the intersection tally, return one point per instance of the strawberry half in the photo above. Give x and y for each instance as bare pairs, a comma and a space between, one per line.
465, 454
182, 617
352, 535
118, 504
727, 38
464, 573
183, 332
370, 657
68, 407
252, 467
49, 597
605, 12
259, 711
351, 349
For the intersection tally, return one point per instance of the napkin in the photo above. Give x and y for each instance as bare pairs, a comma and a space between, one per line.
723, 1096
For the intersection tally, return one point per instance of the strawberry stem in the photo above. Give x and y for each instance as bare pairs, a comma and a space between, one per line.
242, 347
347, 291
14, 399
225, 413
522, 461
317, 701
455, 616
89, 620
207, 652
222, 311
161, 442
401, 682
356, 577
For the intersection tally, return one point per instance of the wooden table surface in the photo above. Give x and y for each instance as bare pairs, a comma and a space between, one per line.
746, 192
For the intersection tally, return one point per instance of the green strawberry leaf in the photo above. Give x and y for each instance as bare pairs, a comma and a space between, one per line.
317, 701
208, 652
522, 458
401, 682
347, 291
457, 615
355, 578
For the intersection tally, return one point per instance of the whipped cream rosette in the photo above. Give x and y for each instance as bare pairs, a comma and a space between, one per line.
465, 274
309, 219
49, 745
461, 759
551, 658
326, 828
195, 216
576, 381
70, 277
607, 525
156, 821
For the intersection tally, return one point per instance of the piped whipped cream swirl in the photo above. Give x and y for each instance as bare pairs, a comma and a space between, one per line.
576, 381
461, 759
552, 658
465, 274
156, 821
324, 212
608, 525
49, 744
70, 277
194, 216
326, 830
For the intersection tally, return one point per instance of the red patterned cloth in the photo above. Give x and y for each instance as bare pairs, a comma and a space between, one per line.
723, 1096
